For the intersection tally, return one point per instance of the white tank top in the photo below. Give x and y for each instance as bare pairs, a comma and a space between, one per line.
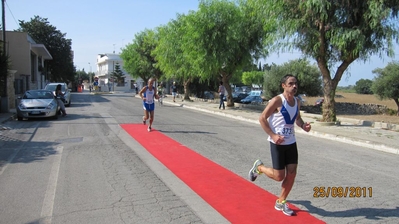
149, 95
283, 122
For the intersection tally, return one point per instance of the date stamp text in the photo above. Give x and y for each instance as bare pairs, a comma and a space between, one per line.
342, 192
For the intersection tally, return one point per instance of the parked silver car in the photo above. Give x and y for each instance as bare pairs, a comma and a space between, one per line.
37, 104
64, 89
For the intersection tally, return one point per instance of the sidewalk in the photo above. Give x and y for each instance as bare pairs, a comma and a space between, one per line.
352, 131
4, 117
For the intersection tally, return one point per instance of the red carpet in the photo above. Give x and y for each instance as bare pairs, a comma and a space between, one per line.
237, 199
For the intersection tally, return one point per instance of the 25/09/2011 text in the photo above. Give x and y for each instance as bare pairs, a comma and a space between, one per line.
342, 192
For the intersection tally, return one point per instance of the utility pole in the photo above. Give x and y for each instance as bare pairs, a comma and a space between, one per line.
3, 23
4, 69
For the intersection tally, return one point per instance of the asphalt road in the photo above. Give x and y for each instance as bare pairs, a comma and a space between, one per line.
83, 168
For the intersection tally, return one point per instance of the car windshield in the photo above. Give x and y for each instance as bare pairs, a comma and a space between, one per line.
255, 93
249, 97
38, 95
53, 87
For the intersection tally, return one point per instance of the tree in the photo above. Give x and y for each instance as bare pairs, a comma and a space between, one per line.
118, 75
138, 57
333, 33
363, 86
224, 38
81, 75
253, 77
308, 78
61, 68
172, 55
386, 84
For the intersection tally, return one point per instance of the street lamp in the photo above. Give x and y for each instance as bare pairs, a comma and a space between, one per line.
113, 76
90, 75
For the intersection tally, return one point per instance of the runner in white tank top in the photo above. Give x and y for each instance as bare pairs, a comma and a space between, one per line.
278, 121
147, 94
282, 122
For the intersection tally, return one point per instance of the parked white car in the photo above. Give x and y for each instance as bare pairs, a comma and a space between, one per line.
64, 89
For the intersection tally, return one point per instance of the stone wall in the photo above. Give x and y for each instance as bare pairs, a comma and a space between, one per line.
350, 108
11, 89
341, 108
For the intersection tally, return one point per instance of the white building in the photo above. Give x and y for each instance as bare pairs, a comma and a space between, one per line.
106, 66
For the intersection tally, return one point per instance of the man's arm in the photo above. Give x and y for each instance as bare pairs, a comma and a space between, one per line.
271, 107
156, 96
304, 125
142, 91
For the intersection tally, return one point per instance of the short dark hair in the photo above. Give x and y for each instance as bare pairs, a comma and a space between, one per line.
284, 79
221, 82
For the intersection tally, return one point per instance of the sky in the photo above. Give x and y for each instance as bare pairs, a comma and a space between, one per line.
98, 27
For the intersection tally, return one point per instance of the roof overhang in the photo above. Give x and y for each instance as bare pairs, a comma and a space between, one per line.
42, 51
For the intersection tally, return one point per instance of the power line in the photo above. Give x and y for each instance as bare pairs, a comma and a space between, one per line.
11, 13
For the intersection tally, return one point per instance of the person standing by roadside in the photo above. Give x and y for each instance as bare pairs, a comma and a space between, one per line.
174, 91
161, 92
221, 92
147, 94
278, 120
61, 99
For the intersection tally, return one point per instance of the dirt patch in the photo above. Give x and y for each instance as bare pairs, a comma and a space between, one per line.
362, 99
342, 97
375, 118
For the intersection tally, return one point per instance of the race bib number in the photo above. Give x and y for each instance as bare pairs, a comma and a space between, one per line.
287, 130
150, 100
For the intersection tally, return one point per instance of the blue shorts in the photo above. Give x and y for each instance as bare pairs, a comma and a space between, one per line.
148, 107
174, 93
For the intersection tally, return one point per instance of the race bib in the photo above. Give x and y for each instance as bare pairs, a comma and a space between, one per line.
150, 100
287, 130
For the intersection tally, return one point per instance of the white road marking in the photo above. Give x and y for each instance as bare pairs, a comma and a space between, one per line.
48, 202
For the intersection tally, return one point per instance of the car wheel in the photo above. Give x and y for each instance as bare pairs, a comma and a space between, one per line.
20, 118
69, 104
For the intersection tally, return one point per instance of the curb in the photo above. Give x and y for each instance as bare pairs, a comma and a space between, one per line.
12, 117
386, 126
353, 141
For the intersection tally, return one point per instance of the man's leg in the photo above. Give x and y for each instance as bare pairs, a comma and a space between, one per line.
277, 175
221, 100
145, 117
277, 172
151, 118
288, 181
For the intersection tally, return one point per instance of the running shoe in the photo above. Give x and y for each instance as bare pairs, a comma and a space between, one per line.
284, 208
149, 129
253, 172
